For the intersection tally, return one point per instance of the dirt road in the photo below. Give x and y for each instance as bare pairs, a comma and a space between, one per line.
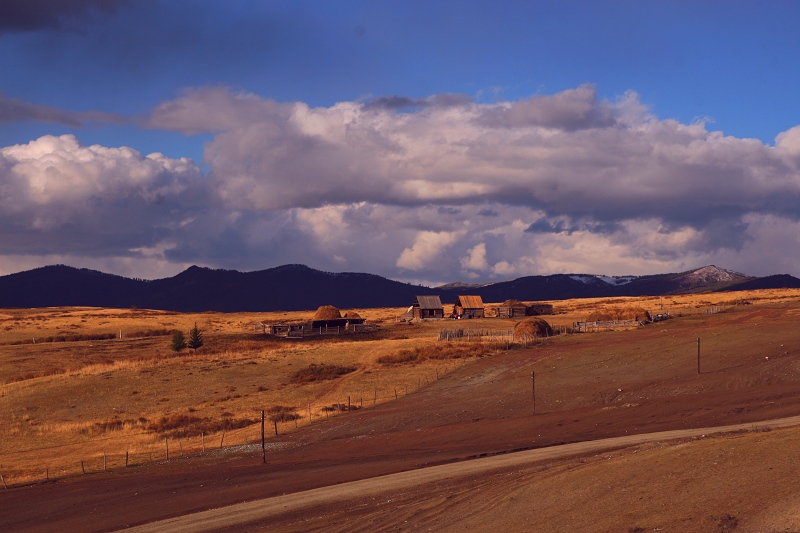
253, 513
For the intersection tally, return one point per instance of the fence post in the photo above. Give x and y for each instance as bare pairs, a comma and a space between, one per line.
221, 439
348, 404
126, 458
4, 481
166, 447
263, 444
104, 461
309, 414
698, 356
83, 468
203, 440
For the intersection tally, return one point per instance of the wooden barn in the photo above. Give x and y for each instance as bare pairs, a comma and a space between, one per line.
510, 309
540, 309
468, 307
427, 307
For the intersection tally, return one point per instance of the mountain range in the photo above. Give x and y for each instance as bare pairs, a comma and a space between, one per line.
298, 287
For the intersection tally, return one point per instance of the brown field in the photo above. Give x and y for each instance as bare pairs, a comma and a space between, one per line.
67, 402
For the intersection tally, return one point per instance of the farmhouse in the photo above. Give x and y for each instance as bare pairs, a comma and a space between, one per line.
468, 307
427, 307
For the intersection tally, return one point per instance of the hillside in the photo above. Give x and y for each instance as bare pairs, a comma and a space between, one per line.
298, 287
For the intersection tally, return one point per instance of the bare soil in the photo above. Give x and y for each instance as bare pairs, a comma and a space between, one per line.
587, 387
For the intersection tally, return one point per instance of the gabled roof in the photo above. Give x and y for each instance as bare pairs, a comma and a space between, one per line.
429, 302
469, 302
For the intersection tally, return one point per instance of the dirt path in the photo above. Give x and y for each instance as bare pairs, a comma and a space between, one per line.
370, 489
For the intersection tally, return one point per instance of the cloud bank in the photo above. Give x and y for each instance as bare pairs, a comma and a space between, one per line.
433, 189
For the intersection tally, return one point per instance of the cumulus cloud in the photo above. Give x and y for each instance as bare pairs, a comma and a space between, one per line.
439, 189
426, 250
570, 154
60, 197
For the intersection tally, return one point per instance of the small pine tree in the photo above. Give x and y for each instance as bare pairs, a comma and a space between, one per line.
195, 337
178, 341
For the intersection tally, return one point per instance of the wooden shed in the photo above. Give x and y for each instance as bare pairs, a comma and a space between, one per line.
428, 307
468, 307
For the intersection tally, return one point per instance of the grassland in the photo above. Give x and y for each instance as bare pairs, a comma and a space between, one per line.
82, 397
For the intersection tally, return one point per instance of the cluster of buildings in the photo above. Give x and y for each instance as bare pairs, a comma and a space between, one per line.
430, 307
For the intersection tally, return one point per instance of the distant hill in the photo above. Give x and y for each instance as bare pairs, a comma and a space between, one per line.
298, 287
778, 281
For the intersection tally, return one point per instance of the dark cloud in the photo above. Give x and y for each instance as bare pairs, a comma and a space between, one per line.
13, 110
568, 227
33, 15
396, 103
447, 210
486, 212
570, 110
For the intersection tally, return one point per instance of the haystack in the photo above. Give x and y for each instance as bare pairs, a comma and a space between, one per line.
327, 312
351, 314
532, 327
631, 312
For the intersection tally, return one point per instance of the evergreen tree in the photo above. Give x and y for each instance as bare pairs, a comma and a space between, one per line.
178, 341
195, 337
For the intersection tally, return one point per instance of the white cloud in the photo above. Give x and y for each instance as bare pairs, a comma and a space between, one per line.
61, 197
476, 258
426, 250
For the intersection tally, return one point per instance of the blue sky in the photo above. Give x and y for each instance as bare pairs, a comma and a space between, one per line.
423, 141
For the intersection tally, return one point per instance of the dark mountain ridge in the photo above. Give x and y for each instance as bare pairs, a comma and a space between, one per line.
298, 287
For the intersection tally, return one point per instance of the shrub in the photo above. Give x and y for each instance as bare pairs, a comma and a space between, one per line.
181, 425
321, 372
437, 352
282, 413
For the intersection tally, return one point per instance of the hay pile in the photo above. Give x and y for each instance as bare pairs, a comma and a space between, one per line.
327, 312
532, 327
512, 303
351, 314
630, 312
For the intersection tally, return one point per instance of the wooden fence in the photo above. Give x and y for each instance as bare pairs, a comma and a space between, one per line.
610, 325
477, 335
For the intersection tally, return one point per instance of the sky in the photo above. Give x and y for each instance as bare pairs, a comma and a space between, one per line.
428, 142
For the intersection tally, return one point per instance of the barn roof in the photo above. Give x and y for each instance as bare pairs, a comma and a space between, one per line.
512, 303
429, 302
470, 302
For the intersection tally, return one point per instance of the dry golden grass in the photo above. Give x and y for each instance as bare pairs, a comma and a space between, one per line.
66, 402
